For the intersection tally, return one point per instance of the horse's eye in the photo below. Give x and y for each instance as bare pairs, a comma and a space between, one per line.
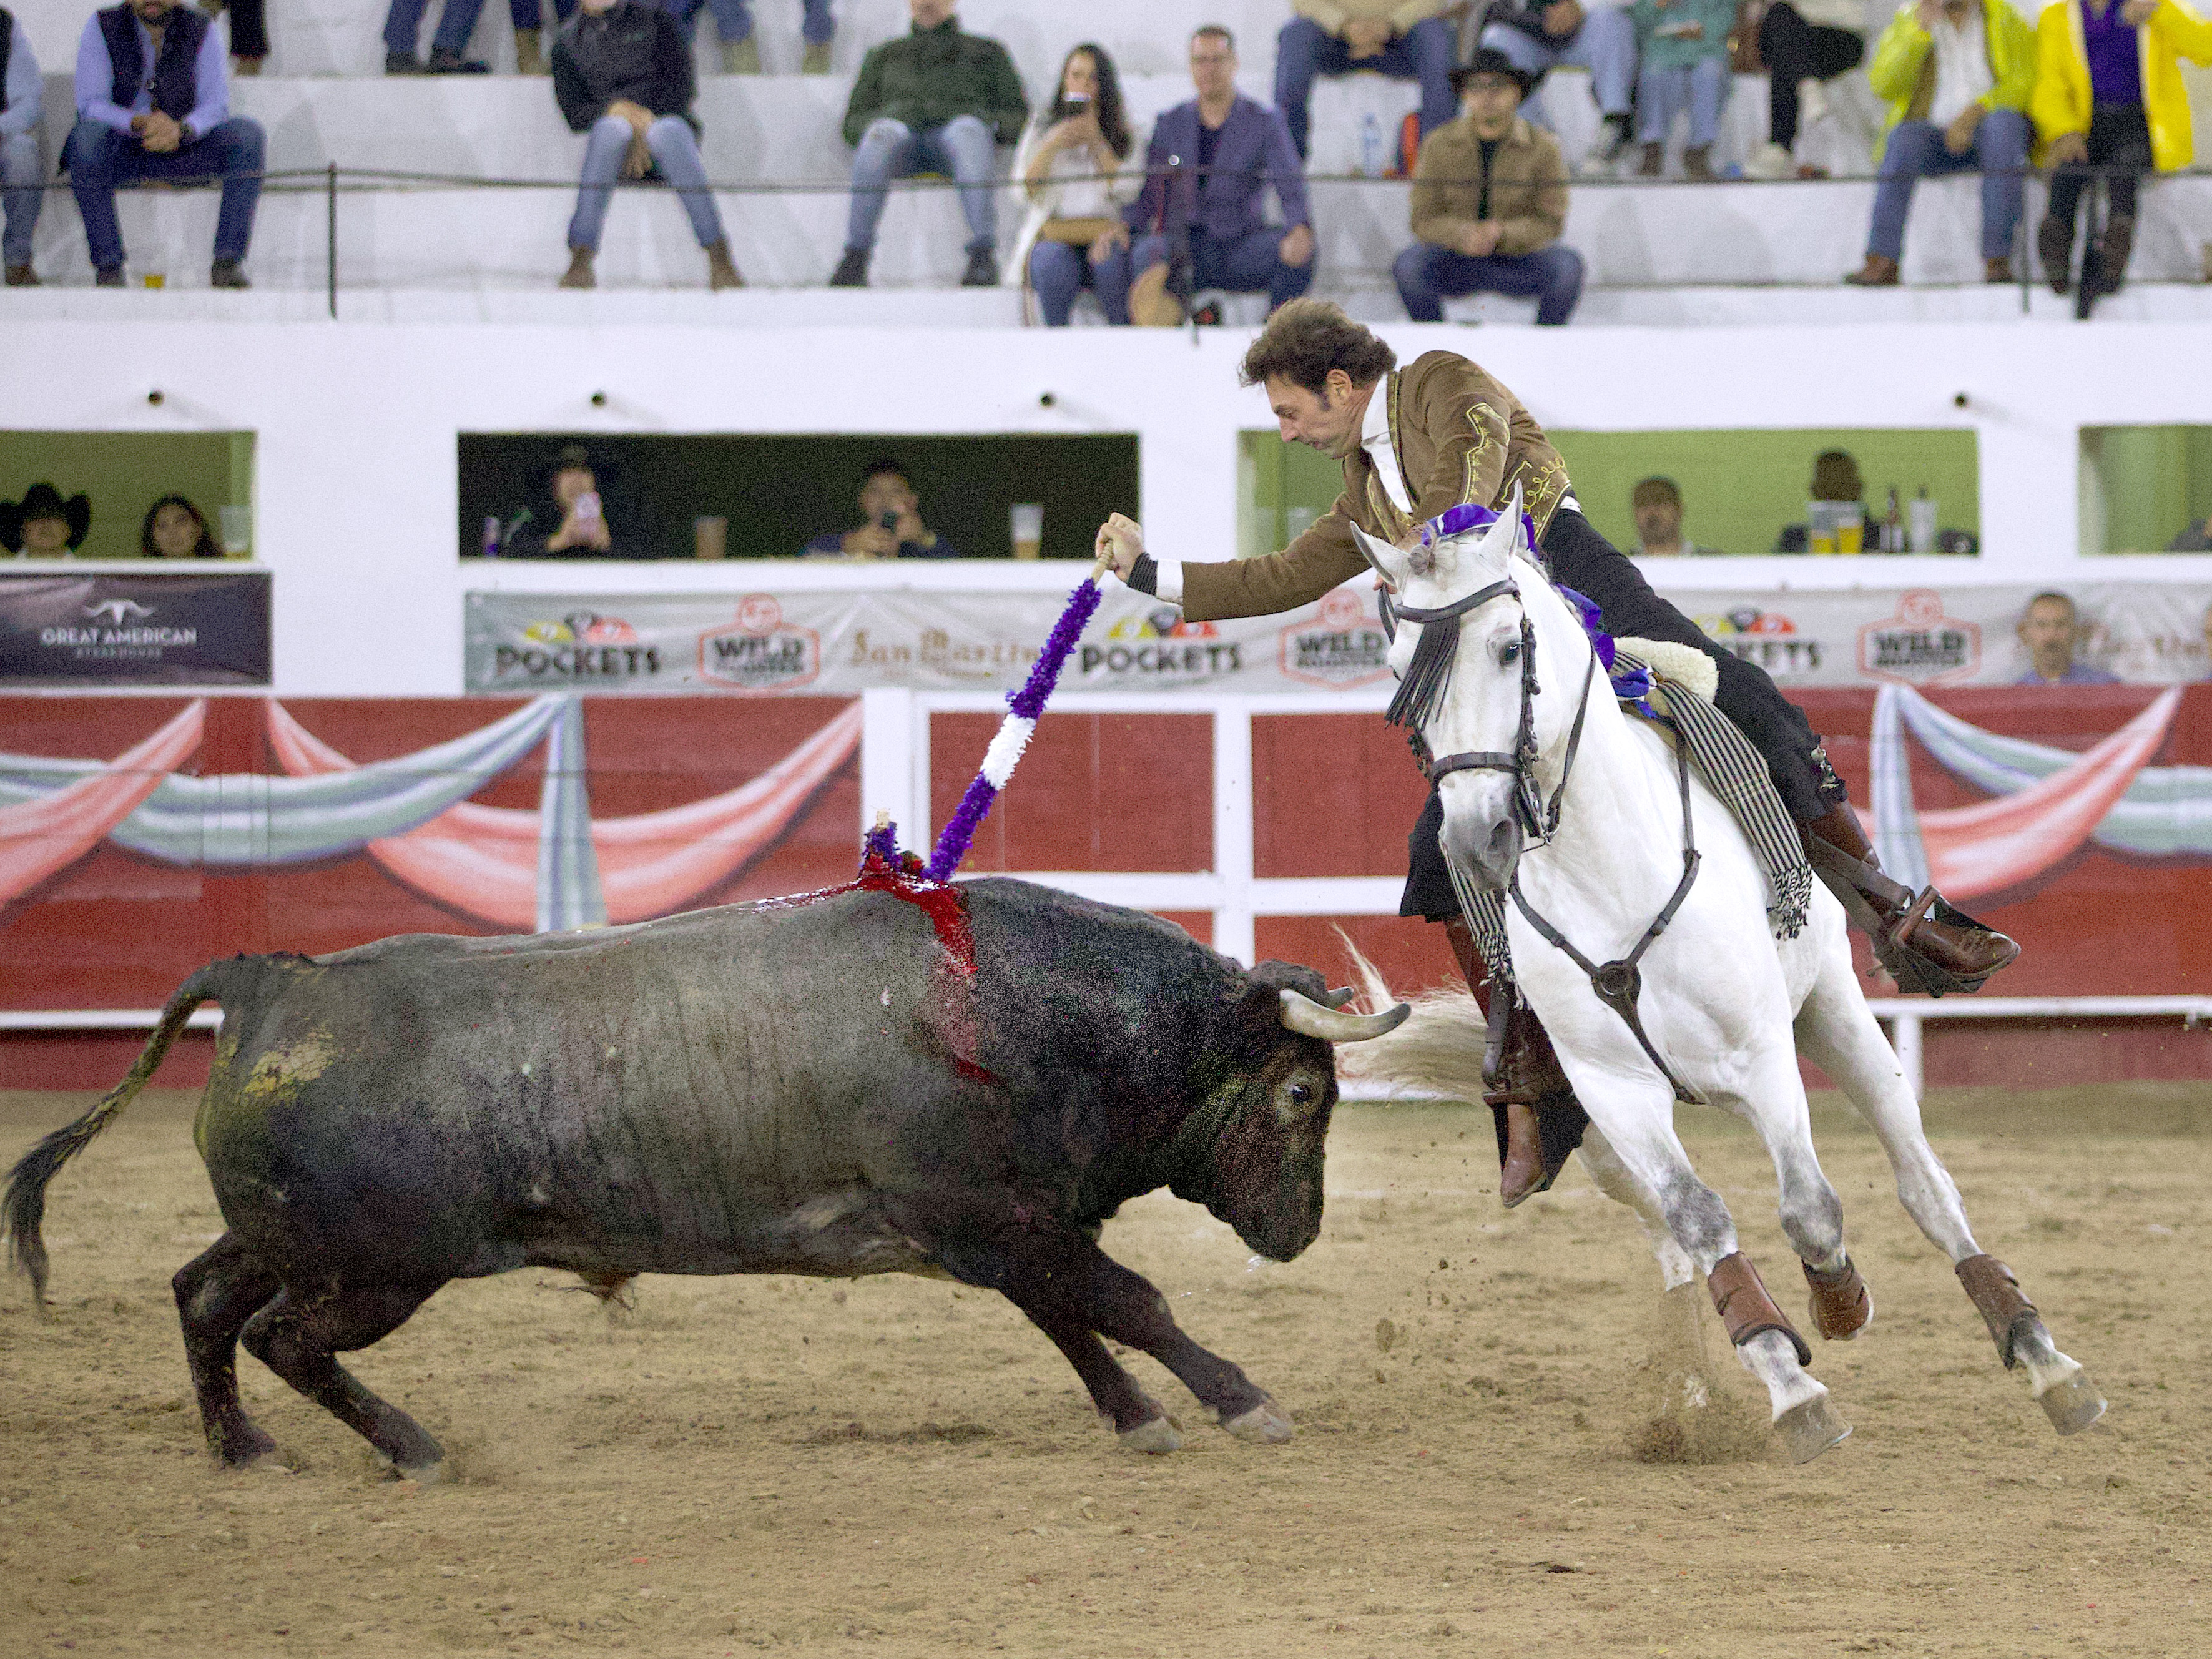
1510, 650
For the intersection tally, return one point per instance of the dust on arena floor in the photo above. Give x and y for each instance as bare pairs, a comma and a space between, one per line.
1491, 1446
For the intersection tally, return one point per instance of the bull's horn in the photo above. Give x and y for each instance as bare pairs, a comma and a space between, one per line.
1301, 1013
1339, 997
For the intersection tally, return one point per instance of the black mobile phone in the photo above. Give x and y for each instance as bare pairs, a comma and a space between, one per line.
887, 520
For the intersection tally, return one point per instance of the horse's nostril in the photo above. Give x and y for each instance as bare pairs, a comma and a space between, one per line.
1501, 838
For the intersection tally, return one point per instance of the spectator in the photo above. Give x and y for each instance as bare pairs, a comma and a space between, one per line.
1957, 74
622, 73
153, 102
174, 529
1208, 164
2052, 631
1539, 35
1835, 479
936, 101
2194, 537
528, 17
1405, 39
42, 525
579, 508
2109, 94
22, 101
733, 24
1803, 43
249, 31
1070, 166
457, 20
890, 521
1657, 503
1490, 197
1684, 47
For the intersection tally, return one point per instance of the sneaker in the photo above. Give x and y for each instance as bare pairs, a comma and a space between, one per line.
22, 277
444, 61
402, 63
1772, 161
579, 273
1611, 144
815, 61
1812, 102
2054, 247
226, 273
108, 277
982, 269
853, 269
741, 57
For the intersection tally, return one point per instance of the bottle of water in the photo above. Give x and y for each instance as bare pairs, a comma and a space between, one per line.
1371, 146
492, 536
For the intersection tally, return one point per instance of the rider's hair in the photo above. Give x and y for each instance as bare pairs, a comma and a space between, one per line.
1307, 338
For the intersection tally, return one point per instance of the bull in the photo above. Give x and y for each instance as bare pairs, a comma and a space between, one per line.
895, 1076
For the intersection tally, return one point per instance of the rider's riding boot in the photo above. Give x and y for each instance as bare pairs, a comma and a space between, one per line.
1925, 944
1538, 1119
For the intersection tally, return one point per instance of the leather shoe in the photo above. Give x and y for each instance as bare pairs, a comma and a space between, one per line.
22, 275
1997, 272
1926, 944
852, 270
226, 273
982, 269
1879, 270
108, 277
2054, 247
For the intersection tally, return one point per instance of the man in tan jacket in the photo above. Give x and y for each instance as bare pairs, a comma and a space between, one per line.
1405, 40
1490, 198
1415, 442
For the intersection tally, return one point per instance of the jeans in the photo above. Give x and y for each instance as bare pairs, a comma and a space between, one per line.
675, 151
1795, 50
1427, 275
98, 158
22, 175
964, 147
1243, 266
530, 14
1605, 45
403, 22
734, 19
1061, 271
1423, 53
1916, 149
2119, 139
1661, 93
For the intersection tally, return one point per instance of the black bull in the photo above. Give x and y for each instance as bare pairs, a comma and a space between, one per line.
892, 1076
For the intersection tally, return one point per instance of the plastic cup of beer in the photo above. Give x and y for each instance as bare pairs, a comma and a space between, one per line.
1820, 527
237, 530
155, 279
1850, 531
1027, 522
710, 538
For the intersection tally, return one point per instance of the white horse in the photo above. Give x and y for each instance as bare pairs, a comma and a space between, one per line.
1726, 1005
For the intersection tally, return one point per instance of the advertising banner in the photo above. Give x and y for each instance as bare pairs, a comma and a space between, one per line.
760, 644
135, 631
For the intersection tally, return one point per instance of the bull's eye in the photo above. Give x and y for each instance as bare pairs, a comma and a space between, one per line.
1302, 1094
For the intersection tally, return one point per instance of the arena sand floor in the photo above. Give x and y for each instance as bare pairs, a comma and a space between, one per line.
1490, 1453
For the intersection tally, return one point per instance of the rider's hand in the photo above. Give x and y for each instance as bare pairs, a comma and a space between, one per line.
1121, 543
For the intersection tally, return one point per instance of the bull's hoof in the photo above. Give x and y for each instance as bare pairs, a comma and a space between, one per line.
1153, 1438
1810, 1428
1266, 1425
2073, 1405
422, 1474
242, 1448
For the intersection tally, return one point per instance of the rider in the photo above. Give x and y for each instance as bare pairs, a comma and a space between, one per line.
1414, 443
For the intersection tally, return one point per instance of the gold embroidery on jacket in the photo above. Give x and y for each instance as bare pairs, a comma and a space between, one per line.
1481, 417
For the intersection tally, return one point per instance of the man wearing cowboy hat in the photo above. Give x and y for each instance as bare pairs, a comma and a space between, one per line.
42, 525
1490, 198
1414, 443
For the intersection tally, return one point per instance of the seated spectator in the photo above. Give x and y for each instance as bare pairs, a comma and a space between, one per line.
153, 102
936, 101
1209, 162
2052, 631
734, 25
2109, 95
42, 525
174, 529
22, 102
1070, 166
1490, 197
622, 73
1684, 47
1539, 35
2196, 538
1957, 74
528, 17
1657, 503
1835, 480
1405, 39
578, 508
403, 24
891, 522
1803, 43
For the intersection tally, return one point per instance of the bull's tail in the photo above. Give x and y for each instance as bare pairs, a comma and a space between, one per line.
25, 1204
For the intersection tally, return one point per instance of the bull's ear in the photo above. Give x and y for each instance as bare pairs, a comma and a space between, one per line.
1387, 561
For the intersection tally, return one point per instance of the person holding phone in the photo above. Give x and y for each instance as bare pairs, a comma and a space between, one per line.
576, 510
1070, 169
890, 521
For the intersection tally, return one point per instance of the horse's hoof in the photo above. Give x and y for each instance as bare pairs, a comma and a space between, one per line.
1810, 1429
1266, 1424
1154, 1438
2073, 1405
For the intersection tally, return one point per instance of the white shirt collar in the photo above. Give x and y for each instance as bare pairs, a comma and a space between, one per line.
1374, 439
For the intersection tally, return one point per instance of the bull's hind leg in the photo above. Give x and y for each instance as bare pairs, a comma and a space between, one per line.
1838, 1033
217, 1291
296, 1336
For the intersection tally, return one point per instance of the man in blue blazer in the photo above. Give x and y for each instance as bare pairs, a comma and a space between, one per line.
1209, 162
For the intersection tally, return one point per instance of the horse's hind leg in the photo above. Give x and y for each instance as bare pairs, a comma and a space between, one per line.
296, 1336
217, 1291
1837, 1031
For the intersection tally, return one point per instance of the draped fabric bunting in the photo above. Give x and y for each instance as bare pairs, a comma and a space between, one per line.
2046, 802
552, 868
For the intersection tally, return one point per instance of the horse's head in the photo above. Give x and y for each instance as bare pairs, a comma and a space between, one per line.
1471, 654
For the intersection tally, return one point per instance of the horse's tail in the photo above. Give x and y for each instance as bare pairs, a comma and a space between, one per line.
1439, 1050
24, 1206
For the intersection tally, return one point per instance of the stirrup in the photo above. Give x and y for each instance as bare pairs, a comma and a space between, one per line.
1847, 878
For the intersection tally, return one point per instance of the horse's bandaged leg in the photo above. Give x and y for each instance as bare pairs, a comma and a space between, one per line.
2004, 1309
1745, 1310
1842, 1304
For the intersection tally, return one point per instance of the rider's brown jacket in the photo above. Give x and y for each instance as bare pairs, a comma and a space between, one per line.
1460, 436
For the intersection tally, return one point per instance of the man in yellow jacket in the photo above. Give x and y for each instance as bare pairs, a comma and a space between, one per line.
2109, 95
1957, 75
